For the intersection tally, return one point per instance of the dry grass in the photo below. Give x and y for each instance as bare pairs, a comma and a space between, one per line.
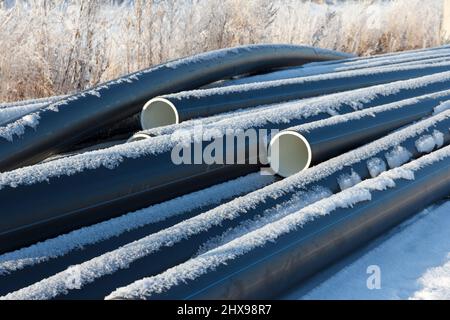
49, 47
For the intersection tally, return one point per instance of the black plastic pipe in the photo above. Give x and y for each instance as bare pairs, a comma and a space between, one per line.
58, 204
183, 249
78, 117
305, 71
396, 92
133, 123
268, 271
294, 149
175, 108
384, 55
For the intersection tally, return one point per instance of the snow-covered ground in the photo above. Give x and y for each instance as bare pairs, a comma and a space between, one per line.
409, 268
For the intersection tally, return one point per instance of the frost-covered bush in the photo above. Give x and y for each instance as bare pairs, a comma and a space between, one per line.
50, 47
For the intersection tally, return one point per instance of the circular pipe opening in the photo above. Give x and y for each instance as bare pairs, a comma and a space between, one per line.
289, 153
138, 137
158, 112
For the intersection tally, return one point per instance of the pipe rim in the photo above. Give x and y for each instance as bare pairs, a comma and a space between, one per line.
138, 137
159, 100
304, 142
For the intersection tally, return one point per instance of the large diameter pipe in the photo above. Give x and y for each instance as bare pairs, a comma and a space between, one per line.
181, 242
101, 238
174, 108
80, 190
304, 71
72, 120
381, 95
265, 263
293, 150
132, 124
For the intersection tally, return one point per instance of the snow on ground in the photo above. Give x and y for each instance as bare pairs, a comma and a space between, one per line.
414, 261
435, 284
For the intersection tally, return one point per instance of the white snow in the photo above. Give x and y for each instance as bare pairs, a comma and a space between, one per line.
413, 260
18, 127
297, 202
24, 103
346, 181
10, 113
398, 156
428, 143
425, 143
435, 283
74, 240
438, 138
442, 107
376, 166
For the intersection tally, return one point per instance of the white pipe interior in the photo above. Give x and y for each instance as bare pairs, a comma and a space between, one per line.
158, 112
138, 137
289, 153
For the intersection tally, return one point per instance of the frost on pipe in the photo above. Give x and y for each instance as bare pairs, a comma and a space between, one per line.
19, 268
30, 102
389, 55
295, 72
268, 261
176, 244
162, 111
354, 100
69, 121
83, 189
207, 102
294, 149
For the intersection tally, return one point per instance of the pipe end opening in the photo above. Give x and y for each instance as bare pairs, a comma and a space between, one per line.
158, 112
289, 153
138, 137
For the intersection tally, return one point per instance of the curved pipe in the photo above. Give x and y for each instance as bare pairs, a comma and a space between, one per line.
203, 103
148, 118
82, 115
269, 270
